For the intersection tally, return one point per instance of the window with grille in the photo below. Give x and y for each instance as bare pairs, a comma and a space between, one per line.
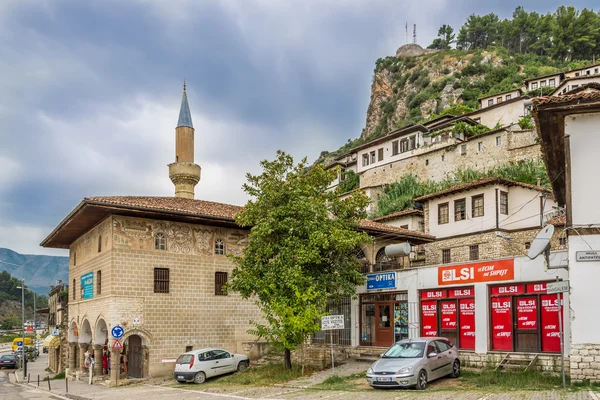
161, 280
504, 203
446, 259
219, 247
220, 282
380, 154
474, 252
395, 148
99, 282
477, 206
460, 210
443, 214
160, 241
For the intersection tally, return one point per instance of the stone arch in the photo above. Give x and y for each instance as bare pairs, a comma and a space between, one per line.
100, 331
138, 351
145, 335
85, 332
73, 332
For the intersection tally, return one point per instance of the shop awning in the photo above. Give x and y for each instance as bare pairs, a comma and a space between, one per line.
52, 342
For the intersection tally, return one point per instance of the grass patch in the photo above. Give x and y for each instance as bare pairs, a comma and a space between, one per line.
585, 385
59, 376
489, 379
336, 382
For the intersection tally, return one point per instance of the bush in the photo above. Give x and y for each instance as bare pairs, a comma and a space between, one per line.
525, 122
351, 181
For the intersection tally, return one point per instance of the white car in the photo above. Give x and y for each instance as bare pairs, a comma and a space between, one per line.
200, 364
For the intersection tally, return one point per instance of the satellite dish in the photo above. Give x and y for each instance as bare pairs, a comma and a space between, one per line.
541, 242
398, 249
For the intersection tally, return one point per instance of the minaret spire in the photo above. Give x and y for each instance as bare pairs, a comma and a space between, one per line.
184, 173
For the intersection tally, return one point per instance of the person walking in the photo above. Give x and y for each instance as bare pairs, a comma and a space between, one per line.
124, 364
104, 361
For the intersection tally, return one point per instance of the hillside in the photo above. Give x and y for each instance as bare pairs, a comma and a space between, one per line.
492, 56
10, 301
40, 271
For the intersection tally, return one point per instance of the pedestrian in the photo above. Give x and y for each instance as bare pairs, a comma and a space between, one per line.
86, 359
104, 361
108, 361
91, 366
124, 364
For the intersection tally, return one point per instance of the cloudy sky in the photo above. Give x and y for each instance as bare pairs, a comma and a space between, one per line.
90, 91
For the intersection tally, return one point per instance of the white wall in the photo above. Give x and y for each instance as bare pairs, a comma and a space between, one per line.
470, 224
576, 82
525, 270
505, 115
387, 151
585, 142
523, 208
592, 70
485, 100
556, 78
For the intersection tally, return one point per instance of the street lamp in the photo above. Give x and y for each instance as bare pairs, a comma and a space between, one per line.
22, 313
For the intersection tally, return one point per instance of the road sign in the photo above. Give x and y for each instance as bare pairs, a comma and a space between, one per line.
557, 287
586, 256
38, 336
331, 322
117, 345
117, 331
19, 344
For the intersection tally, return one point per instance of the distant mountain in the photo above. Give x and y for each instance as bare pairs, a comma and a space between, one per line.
40, 271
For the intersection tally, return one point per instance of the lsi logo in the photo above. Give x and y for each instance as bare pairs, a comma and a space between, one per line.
463, 274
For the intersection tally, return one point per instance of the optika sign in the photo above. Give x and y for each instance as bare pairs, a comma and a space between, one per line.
489, 271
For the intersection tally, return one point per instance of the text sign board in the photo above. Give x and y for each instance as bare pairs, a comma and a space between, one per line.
384, 280
331, 322
87, 285
557, 287
593, 255
117, 332
489, 271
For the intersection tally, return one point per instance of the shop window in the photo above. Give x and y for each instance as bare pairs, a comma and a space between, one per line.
161, 280
524, 318
220, 282
504, 203
384, 318
446, 259
395, 148
474, 252
477, 206
449, 313
219, 247
460, 210
160, 241
380, 154
443, 214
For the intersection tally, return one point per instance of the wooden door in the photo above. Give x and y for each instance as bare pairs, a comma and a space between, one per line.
526, 324
134, 357
384, 324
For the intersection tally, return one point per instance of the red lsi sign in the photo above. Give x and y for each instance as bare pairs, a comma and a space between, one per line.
550, 329
527, 313
467, 323
502, 323
448, 314
429, 318
489, 271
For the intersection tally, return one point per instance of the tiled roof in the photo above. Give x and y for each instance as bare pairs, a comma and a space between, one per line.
591, 85
398, 214
169, 204
566, 98
479, 183
372, 225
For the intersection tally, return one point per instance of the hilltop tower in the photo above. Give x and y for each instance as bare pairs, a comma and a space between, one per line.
184, 174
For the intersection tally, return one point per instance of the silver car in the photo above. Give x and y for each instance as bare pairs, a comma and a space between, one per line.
200, 364
415, 362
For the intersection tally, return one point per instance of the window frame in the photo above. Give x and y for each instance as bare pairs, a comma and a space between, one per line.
534, 85
480, 147
395, 148
473, 252
508, 97
99, 282
490, 102
160, 241
373, 158
552, 82
464, 211
498, 141
162, 280
543, 83
380, 154
481, 207
403, 145
219, 247
445, 205
463, 149
220, 283
499, 100
365, 159
502, 195
446, 256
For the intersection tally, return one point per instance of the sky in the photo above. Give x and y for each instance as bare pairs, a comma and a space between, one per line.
90, 91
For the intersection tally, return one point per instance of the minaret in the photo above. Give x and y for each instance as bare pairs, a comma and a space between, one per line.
184, 174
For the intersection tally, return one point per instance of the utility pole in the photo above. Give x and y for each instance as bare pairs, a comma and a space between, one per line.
415, 34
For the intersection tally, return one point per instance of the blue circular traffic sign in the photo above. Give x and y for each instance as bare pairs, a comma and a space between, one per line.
117, 332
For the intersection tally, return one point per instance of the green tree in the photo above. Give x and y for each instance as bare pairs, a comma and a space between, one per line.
301, 249
445, 38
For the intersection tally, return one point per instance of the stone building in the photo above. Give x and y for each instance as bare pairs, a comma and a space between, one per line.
157, 266
56, 342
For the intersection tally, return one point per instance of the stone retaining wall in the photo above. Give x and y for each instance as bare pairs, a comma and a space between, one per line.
585, 362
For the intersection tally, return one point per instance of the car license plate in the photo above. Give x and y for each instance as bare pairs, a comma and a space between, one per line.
179, 377
383, 379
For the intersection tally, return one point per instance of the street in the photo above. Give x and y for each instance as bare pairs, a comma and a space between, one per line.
10, 391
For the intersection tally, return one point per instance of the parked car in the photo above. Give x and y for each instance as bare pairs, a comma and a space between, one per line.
415, 363
8, 361
200, 364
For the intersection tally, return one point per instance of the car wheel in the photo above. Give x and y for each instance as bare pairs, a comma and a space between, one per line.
422, 380
455, 369
242, 366
200, 377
